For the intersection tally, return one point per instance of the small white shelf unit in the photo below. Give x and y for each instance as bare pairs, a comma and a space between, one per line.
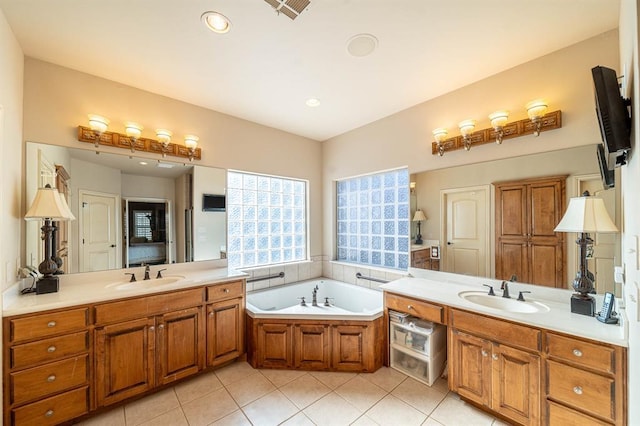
417, 348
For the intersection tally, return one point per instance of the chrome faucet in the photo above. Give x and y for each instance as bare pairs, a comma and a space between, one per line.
147, 269
314, 301
505, 290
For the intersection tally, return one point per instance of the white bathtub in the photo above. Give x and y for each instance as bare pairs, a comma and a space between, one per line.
349, 302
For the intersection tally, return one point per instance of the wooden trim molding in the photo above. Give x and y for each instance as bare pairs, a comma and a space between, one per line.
550, 121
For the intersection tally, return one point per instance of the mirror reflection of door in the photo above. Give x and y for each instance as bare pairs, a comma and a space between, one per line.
465, 228
98, 236
147, 229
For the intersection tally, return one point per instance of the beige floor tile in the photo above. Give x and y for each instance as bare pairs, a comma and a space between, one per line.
441, 385
361, 393
387, 378
431, 422
332, 409
498, 422
298, 420
392, 411
234, 372
209, 408
418, 395
174, 417
453, 411
364, 420
237, 418
281, 377
150, 407
249, 389
304, 391
114, 417
333, 379
197, 387
272, 409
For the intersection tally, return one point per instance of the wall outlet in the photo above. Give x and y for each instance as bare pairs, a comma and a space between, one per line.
618, 274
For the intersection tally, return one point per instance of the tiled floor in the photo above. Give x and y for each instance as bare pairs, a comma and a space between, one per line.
240, 395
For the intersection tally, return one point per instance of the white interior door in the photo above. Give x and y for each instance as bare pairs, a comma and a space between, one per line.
98, 231
465, 230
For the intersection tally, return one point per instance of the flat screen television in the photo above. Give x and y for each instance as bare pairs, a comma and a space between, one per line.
608, 176
213, 203
613, 115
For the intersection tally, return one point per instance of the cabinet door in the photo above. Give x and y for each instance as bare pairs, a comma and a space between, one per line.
470, 362
516, 384
275, 346
125, 354
180, 344
311, 347
225, 331
348, 348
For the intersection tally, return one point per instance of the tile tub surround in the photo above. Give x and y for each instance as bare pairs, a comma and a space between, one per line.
230, 396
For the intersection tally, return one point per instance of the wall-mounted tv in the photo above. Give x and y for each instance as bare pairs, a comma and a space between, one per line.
213, 203
613, 115
608, 176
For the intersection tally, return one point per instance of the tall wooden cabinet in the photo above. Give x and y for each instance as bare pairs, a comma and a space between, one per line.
526, 212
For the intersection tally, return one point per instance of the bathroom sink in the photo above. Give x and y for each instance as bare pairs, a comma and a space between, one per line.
156, 282
503, 304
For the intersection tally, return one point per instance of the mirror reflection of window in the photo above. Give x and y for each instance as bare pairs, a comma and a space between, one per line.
142, 225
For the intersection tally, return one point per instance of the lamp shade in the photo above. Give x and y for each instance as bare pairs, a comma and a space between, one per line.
48, 204
586, 214
419, 216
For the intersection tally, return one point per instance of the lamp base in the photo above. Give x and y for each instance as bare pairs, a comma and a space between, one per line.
583, 304
47, 284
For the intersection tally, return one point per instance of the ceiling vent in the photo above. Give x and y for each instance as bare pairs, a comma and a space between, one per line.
290, 8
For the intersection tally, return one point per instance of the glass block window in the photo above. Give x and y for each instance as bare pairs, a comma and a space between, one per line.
267, 219
142, 225
373, 219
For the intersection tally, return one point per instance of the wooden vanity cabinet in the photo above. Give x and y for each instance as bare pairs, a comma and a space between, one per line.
421, 258
486, 368
225, 322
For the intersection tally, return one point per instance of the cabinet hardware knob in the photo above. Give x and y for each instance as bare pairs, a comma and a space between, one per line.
210, 314
226, 290
495, 357
577, 390
161, 326
484, 353
51, 378
51, 349
49, 413
577, 352
152, 328
409, 307
51, 324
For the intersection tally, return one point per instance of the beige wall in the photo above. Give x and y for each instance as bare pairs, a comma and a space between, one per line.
563, 78
57, 100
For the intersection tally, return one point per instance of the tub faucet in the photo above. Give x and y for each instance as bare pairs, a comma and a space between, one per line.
314, 301
147, 269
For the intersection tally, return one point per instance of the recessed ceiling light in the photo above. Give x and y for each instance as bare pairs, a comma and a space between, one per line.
312, 102
362, 45
143, 163
216, 22
162, 165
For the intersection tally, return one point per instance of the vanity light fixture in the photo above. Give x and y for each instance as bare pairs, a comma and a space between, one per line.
440, 135
498, 120
466, 128
133, 131
164, 137
536, 110
216, 22
191, 142
98, 125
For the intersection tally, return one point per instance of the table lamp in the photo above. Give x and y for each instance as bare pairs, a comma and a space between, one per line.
419, 217
585, 214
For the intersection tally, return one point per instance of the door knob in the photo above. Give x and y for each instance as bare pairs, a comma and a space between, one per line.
449, 243
112, 245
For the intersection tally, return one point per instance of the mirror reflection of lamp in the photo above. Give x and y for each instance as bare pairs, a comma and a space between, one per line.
133, 131
419, 216
164, 137
536, 110
191, 142
98, 125
48, 205
585, 214
498, 120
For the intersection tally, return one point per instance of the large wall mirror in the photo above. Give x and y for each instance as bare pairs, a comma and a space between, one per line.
129, 211
460, 204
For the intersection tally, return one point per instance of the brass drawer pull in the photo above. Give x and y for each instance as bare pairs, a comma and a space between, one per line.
51, 349
577, 390
51, 324
577, 352
49, 413
51, 378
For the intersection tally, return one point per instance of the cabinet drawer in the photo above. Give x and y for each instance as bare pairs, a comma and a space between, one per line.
54, 410
141, 307
48, 350
560, 415
497, 330
48, 324
584, 353
584, 390
415, 307
57, 376
224, 291
421, 255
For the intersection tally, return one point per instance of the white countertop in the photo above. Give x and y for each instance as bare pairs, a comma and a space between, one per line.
93, 287
558, 318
